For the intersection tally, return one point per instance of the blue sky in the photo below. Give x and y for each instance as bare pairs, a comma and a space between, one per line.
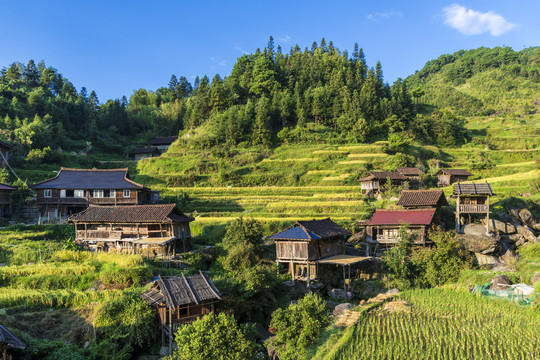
116, 47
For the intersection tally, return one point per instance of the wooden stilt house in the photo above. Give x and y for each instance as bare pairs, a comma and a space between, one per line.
424, 199
8, 341
181, 300
449, 176
150, 230
472, 199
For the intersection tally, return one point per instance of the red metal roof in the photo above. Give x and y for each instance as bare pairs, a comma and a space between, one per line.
397, 217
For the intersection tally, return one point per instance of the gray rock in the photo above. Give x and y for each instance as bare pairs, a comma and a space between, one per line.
392, 291
474, 229
503, 227
338, 294
514, 238
535, 278
527, 218
486, 259
500, 282
526, 233
341, 308
480, 244
331, 305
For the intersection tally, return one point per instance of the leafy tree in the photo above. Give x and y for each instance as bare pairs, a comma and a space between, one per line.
397, 261
219, 338
297, 326
441, 263
262, 134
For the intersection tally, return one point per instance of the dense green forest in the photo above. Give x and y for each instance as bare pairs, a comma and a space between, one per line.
318, 94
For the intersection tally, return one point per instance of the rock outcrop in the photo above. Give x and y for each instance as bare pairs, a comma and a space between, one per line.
480, 244
500, 282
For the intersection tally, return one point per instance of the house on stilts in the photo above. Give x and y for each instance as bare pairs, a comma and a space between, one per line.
151, 230
307, 246
181, 300
471, 200
9, 341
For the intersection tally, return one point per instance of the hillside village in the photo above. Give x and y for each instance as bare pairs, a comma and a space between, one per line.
298, 238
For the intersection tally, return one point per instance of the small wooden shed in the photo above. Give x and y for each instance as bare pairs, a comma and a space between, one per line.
9, 341
372, 184
181, 300
449, 176
472, 199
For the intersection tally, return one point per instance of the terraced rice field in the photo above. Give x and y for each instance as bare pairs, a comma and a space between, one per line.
441, 324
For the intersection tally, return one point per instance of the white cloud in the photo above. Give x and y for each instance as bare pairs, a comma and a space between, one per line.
384, 15
237, 47
472, 22
285, 39
217, 62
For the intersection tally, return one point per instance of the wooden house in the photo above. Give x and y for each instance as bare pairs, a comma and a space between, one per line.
9, 341
424, 199
5, 200
472, 199
375, 180
181, 300
73, 190
449, 176
143, 153
411, 173
383, 229
151, 230
4, 154
162, 143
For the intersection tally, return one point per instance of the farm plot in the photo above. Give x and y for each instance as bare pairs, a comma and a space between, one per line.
445, 324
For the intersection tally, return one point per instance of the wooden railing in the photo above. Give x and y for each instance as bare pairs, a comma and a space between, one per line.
99, 234
473, 208
381, 239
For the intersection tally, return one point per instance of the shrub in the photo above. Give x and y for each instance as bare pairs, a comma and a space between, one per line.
297, 326
219, 338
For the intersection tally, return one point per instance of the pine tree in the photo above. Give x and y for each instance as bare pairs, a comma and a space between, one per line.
262, 134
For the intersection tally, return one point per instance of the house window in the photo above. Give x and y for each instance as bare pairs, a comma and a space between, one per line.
112, 193
78, 193
47, 193
109, 193
127, 193
62, 193
98, 193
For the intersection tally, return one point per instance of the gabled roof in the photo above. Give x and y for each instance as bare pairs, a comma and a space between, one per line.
144, 150
177, 291
7, 187
166, 213
398, 217
455, 172
89, 179
313, 229
383, 175
11, 340
422, 198
164, 140
411, 171
472, 189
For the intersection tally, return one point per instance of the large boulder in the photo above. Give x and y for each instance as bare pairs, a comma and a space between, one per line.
474, 229
535, 278
338, 294
526, 233
527, 218
480, 244
500, 282
341, 308
486, 259
503, 227
507, 255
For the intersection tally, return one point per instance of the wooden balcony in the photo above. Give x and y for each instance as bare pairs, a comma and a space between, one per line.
473, 209
99, 234
382, 239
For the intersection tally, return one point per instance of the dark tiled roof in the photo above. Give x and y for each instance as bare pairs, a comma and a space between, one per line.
89, 179
164, 140
11, 340
167, 213
313, 229
422, 198
398, 217
473, 189
382, 175
411, 171
144, 150
7, 187
456, 172
177, 291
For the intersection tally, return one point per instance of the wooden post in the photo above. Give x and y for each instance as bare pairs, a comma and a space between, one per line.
308, 274
344, 280
457, 215
487, 217
170, 331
